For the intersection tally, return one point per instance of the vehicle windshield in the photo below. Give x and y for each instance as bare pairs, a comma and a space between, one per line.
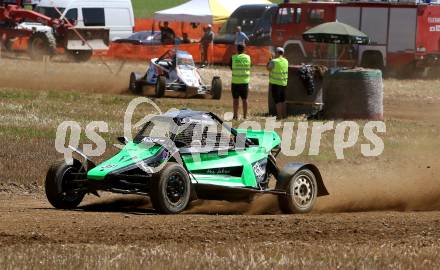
158, 127
50, 11
246, 18
185, 62
147, 35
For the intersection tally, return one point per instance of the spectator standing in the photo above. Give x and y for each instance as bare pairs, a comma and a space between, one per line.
241, 72
206, 41
240, 37
167, 35
278, 75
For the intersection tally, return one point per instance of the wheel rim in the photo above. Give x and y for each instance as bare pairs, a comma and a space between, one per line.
303, 191
67, 185
175, 189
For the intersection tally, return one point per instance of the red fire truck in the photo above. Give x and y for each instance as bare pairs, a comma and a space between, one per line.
404, 37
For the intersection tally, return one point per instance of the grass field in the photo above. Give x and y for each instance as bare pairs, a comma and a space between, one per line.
146, 8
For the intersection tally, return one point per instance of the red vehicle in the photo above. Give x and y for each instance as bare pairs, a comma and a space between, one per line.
404, 37
47, 35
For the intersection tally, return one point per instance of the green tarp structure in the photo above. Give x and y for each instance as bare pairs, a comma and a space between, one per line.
335, 33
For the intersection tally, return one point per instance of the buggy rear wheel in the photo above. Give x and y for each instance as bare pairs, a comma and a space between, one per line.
60, 190
134, 85
160, 86
216, 88
301, 191
170, 190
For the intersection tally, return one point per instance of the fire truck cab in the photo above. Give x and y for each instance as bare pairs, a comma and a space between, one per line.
403, 36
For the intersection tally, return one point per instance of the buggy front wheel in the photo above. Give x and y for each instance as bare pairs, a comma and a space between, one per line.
160, 86
61, 191
134, 85
170, 189
301, 192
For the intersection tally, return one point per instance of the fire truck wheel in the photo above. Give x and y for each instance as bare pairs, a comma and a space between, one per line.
41, 44
434, 72
80, 56
372, 59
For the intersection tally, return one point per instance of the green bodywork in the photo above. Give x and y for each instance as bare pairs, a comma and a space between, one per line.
133, 153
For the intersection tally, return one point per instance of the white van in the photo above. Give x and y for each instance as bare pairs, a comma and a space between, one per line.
115, 15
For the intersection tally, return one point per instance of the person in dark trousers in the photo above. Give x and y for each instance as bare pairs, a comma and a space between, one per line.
205, 43
278, 74
241, 73
167, 35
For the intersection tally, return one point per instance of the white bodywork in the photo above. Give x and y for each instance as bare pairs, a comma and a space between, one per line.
184, 72
117, 16
187, 72
38, 27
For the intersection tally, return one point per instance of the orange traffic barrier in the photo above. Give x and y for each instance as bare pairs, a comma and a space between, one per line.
218, 54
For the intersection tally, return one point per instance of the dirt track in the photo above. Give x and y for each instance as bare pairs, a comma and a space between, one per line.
129, 220
121, 231
124, 233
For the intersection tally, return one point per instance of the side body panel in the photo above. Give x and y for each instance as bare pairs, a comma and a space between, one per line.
235, 167
130, 155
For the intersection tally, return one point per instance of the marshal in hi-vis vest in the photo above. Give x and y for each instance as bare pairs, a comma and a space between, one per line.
241, 68
279, 74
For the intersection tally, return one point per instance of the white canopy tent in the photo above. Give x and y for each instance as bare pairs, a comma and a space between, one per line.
203, 11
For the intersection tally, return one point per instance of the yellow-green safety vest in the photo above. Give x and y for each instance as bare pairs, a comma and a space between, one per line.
241, 68
279, 73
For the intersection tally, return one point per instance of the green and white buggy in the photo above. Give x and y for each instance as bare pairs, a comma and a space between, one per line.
186, 155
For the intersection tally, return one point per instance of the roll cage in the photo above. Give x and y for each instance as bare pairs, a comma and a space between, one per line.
182, 133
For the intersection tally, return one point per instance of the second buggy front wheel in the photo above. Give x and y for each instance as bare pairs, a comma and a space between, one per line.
160, 86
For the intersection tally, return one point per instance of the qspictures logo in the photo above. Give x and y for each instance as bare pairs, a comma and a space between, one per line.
346, 135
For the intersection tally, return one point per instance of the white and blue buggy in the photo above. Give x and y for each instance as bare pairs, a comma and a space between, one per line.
175, 72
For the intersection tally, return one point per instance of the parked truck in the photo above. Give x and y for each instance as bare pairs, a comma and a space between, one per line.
404, 37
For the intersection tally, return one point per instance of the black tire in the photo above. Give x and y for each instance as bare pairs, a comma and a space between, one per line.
134, 86
41, 44
171, 189
58, 186
160, 86
301, 191
80, 55
216, 88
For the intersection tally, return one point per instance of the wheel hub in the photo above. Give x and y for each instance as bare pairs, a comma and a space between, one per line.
67, 185
302, 191
175, 189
